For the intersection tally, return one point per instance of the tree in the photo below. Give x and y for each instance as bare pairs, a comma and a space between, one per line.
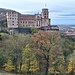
71, 64
14, 46
30, 63
48, 48
34, 30
67, 48
5, 24
9, 66
3, 56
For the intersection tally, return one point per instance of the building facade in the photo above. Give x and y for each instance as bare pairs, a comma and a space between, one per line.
12, 19
15, 19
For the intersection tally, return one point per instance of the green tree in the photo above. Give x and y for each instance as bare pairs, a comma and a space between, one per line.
14, 46
34, 30
71, 66
5, 24
67, 48
3, 56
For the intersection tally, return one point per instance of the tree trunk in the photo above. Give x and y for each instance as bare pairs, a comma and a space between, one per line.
54, 72
16, 69
28, 67
20, 68
47, 65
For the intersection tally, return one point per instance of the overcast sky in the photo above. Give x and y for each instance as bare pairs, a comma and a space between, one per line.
61, 11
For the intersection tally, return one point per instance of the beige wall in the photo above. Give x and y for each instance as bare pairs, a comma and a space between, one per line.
12, 19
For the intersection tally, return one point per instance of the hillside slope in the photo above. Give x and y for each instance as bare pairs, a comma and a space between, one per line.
3, 10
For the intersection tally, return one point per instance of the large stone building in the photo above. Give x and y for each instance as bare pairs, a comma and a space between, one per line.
12, 19
15, 19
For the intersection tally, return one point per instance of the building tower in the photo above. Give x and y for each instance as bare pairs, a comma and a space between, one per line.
45, 17
45, 13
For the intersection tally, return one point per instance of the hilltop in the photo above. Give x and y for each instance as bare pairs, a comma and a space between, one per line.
4, 10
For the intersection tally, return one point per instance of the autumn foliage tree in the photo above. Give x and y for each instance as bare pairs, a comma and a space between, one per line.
48, 49
40, 53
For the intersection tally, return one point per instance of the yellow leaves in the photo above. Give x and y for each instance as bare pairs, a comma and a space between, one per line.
29, 60
33, 69
60, 65
70, 66
51, 70
9, 66
33, 66
24, 67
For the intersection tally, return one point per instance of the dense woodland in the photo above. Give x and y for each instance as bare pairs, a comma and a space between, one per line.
40, 53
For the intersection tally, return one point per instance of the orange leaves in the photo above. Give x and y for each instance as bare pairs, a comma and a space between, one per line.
41, 38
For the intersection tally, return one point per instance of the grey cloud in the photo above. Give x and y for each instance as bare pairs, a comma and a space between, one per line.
68, 15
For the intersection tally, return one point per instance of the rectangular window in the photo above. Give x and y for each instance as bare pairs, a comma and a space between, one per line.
13, 21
